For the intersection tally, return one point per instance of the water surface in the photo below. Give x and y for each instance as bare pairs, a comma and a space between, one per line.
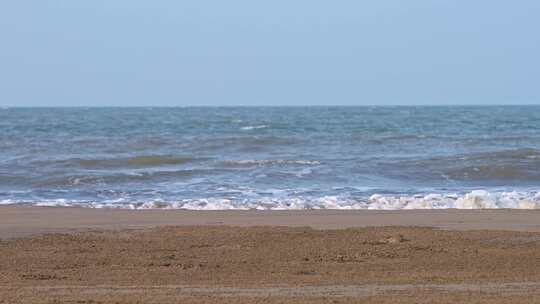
272, 157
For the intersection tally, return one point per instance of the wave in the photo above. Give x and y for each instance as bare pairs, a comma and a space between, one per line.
479, 199
246, 128
122, 162
115, 179
262, 162
497, 166
243, 142
137, 161
523, 153
518, 164
493, 172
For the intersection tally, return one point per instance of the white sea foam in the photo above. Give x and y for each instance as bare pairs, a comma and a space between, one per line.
254, 127
473, 200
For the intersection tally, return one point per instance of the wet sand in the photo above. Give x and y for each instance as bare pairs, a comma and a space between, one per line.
72, 255
18, 221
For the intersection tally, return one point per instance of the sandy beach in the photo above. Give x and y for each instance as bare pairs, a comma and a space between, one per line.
76, 255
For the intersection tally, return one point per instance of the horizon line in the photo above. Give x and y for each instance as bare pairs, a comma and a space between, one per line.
268, 106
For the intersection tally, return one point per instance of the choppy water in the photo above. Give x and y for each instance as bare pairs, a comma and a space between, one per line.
272, 158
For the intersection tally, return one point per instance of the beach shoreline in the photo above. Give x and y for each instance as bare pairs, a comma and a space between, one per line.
25, 220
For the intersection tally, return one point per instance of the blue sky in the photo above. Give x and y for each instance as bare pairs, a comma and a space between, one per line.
301, 52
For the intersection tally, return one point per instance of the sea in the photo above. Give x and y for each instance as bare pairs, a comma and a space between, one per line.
272, 158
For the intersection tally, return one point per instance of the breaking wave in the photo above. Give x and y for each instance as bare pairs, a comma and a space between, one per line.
479, 199
247, 128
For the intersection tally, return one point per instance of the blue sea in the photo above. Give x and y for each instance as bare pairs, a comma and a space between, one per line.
271, 158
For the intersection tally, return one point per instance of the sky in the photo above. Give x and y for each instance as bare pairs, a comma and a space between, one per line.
279, 52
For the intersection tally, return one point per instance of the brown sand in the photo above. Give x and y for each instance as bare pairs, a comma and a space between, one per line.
211, 263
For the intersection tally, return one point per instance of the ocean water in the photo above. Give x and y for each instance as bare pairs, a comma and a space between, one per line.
272, 157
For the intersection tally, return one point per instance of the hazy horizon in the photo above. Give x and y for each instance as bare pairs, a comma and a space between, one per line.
275, 106
241, 53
